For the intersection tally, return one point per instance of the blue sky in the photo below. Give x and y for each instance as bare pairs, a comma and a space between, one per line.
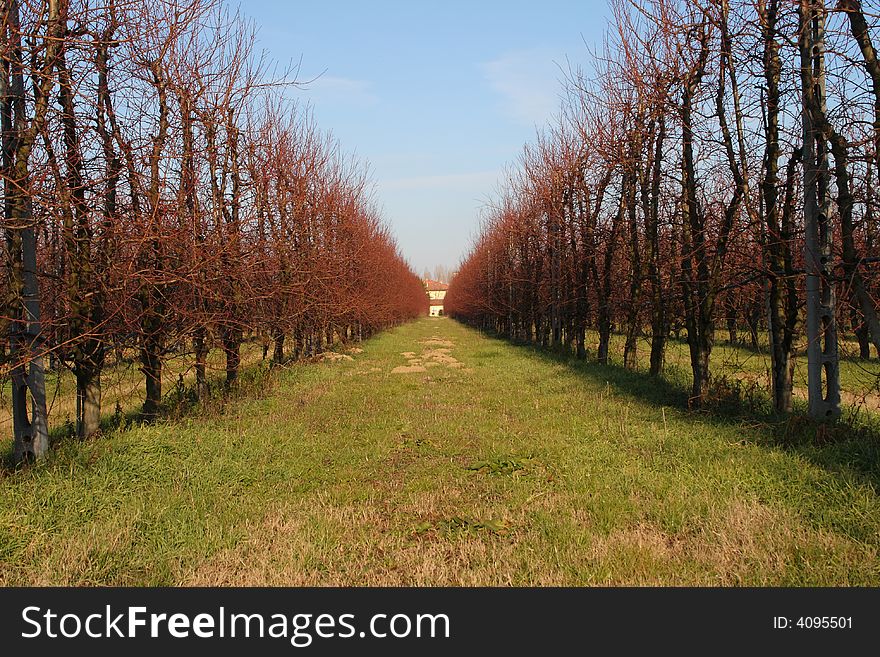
437, 96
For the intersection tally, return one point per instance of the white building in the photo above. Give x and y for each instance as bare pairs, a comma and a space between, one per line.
436, 294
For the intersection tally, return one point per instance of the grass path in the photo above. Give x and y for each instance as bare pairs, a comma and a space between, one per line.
438, 456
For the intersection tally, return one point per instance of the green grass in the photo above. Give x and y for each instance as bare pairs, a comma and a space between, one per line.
498, 465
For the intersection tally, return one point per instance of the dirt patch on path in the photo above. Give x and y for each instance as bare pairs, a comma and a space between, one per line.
408, 369
437, 342
437, 351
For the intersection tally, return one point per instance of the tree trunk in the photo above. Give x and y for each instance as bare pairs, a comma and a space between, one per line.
278, 351
630, 346
30, 430
200, 346
659, 328
151, 362
695, 284
658, 346
232, 349
604, 339
860, 328
152, 292
754, 325
822, 359
88, 401
700, 390
635, 286
731, 320
781, 295
580, 341
604, 310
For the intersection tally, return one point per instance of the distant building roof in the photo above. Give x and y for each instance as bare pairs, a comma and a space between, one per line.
435, 286
436, 302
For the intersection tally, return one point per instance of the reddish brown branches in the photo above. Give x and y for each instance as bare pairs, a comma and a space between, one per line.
668, 195
174, 203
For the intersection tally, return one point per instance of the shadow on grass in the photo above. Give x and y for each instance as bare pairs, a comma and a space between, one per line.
849, 446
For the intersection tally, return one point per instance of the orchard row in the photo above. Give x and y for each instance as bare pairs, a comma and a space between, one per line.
161, 192
670, 193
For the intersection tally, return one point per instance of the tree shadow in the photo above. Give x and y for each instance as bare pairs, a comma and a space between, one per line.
849, 446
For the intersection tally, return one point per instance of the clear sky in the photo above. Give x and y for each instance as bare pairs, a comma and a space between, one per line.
437, 96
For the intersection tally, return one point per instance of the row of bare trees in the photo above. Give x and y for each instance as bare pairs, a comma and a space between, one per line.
670, 192
160, 195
